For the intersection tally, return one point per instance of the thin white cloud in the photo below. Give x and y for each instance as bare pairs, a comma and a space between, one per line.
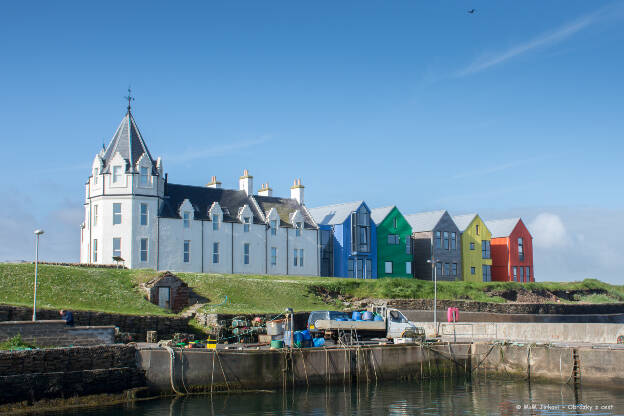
213, 151
495, 169
546, 39
549, 231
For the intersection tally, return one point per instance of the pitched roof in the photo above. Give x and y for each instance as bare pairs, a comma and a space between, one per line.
380, 214
502, 228
202, 199
463, 221
129, 143
334, 214
424, 221
284, 207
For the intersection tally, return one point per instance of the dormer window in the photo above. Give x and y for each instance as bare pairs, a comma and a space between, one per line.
96, 172
273, 227
215, 222
246, 222
298, 228
186, 219
143, 176
116, 174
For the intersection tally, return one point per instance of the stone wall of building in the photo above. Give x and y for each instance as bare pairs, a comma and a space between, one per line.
66, 372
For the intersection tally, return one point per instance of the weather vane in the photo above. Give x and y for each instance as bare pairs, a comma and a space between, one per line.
130, 98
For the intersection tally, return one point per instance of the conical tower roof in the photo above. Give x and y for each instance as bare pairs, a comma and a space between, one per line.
129, 143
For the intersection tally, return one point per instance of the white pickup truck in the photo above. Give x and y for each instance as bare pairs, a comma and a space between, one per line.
393, 326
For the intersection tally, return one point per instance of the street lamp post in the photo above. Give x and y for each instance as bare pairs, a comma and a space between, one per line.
435, 295
38, 232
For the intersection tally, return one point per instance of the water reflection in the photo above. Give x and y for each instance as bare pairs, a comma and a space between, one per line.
442, 397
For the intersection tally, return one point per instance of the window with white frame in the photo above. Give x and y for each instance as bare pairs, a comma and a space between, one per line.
246, 223
95, 250
116, 174
273, 227
143, 176
215, 222
298, 228
116, 213
215, 253
95, 215
388, 267
143, 214
273, 256
143, 250
186, 256
408, 268
246, 250
186, 219
96, 172
116, 247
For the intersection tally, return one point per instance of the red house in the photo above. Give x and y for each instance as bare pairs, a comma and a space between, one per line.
512, 251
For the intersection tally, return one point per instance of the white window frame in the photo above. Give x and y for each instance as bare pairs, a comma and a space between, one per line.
215, 222
186, 251
117, 251
96, 172
144, 215
116, 174
117, 215
298, 228
95, 250
95, 215
388, 267
246, 253
144, 250
273, 226
143, 176
215, 252
246, 224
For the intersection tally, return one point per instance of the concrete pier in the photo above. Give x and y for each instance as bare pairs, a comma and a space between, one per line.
218, 370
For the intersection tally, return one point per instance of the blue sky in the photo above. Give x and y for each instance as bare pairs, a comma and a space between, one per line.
513, 110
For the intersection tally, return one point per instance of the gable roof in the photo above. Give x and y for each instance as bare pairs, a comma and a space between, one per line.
202, 198
334, 214
424, 221
502, 228
463, 221
284, 207
380, 214
128, 142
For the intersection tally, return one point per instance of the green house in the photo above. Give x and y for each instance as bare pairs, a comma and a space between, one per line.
394, 248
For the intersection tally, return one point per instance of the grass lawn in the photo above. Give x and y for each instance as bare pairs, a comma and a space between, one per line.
116, 290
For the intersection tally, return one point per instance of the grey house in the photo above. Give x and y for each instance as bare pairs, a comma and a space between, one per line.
435, 236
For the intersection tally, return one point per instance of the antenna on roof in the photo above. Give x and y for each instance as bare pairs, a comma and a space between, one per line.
129, 97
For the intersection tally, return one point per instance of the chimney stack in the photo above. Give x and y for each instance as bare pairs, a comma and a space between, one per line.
245, 183
265, 190
296, 191
214, 183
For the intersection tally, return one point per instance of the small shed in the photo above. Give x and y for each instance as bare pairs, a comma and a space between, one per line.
168, 291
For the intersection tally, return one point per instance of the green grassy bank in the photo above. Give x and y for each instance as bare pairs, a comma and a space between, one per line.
116, 290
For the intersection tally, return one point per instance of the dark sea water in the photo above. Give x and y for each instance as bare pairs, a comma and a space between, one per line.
444, 397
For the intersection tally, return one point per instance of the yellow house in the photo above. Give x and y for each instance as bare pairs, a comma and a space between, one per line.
475, 248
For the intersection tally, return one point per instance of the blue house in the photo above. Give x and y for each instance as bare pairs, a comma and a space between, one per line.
347, 239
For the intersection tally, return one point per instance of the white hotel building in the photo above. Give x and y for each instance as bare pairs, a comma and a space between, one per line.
132, 212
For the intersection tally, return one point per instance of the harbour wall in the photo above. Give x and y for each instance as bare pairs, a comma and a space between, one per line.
581, 365
34, 375
217, 370
56, 333
591, 333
